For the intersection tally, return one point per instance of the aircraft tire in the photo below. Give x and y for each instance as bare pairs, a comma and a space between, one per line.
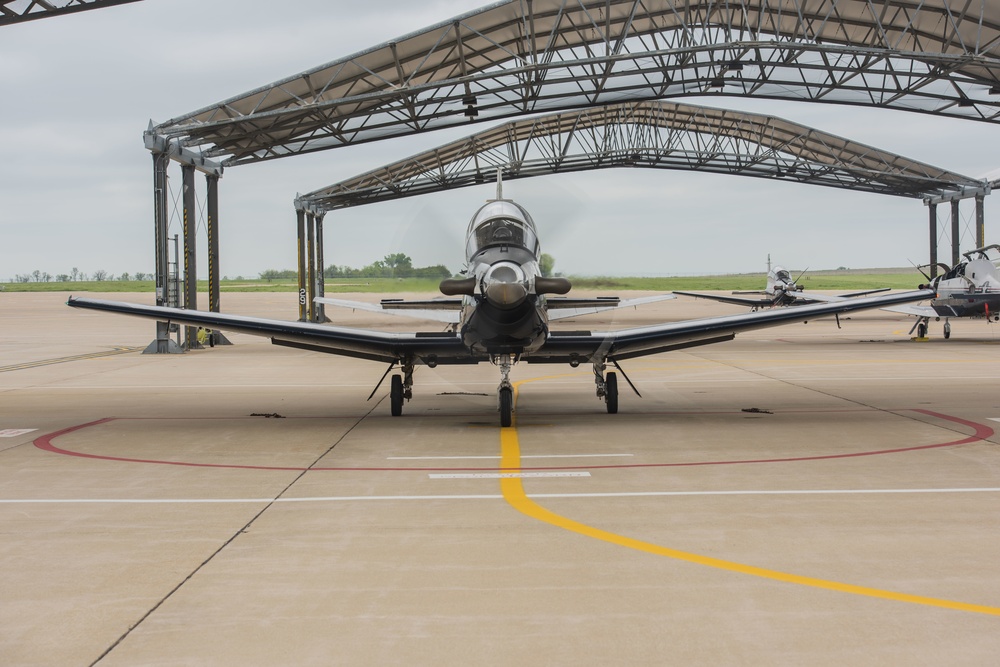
947, 330
611, 393
506, 406
921, 330
396, 395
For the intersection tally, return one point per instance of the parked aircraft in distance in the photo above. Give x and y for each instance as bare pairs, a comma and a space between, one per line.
969, 289
781, 290
504, 318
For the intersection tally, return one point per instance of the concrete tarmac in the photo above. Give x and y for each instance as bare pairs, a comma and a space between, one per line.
803, 495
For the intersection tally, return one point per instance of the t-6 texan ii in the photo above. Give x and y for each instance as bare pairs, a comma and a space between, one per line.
503, 304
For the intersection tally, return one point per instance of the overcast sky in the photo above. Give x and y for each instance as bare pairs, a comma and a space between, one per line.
76, 182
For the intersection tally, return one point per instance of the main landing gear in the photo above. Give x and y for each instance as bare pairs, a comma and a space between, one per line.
401, 387
607, 386
922, 325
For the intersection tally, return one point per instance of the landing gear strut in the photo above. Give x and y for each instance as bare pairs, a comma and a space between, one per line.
505, 393
607, 387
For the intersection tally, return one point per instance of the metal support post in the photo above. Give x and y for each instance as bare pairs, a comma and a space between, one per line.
320, 277
956, 233
212, 225
190, 254
980, 222
214, 292
162, 344
932, 225
300, 215
311, 268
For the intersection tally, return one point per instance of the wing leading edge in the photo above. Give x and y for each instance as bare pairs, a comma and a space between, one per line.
575, 347
429, 347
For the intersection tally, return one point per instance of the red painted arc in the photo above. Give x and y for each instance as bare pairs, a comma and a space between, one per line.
981, 432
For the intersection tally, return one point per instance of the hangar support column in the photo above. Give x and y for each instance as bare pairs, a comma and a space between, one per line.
980, 222
190, 254
214, 292
320, 309
300, 215
955, 233
164, 150
955, 198
162, 344
932, 224
311, 266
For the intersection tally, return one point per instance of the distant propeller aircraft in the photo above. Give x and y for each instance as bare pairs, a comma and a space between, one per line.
504, 318
969, 289
781, 290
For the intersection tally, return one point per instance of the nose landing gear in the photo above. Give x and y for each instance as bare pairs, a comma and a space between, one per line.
505, 392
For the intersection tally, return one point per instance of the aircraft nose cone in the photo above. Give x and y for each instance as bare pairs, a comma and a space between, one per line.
506, 295
504, 285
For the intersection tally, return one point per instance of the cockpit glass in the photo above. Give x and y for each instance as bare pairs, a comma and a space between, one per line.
783, 275
502, 231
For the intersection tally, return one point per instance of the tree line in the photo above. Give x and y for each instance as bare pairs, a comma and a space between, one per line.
397, 265
76, 275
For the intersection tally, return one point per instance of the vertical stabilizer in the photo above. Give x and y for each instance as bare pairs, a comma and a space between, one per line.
499, 183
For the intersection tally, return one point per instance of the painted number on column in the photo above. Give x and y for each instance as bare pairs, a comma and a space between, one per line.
302, 297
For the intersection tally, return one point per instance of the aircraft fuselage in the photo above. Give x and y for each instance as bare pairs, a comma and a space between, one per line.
503, 290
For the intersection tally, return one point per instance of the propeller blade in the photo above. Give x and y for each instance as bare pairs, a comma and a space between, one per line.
796, 281
920, 270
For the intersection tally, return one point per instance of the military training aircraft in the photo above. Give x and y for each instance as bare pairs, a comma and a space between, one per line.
969, 289
781, 290
504, 319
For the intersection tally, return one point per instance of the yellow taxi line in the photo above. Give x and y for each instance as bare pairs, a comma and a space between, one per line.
514, 494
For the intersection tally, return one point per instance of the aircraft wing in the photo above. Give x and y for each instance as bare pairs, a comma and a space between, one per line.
739, 301
442, 347
582, 346
917, 311
851, 295
562, 308
815, 297
438, 310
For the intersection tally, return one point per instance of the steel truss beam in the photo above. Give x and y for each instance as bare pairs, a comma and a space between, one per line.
660, 135
530, 56
18, 11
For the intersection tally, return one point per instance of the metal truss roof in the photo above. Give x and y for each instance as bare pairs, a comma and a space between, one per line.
529, 56
17, 11
658, 135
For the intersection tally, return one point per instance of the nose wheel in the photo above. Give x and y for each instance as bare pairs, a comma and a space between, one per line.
506, 398
505, 392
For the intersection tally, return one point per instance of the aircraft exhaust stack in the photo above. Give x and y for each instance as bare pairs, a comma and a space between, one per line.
458, 286
552, 285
